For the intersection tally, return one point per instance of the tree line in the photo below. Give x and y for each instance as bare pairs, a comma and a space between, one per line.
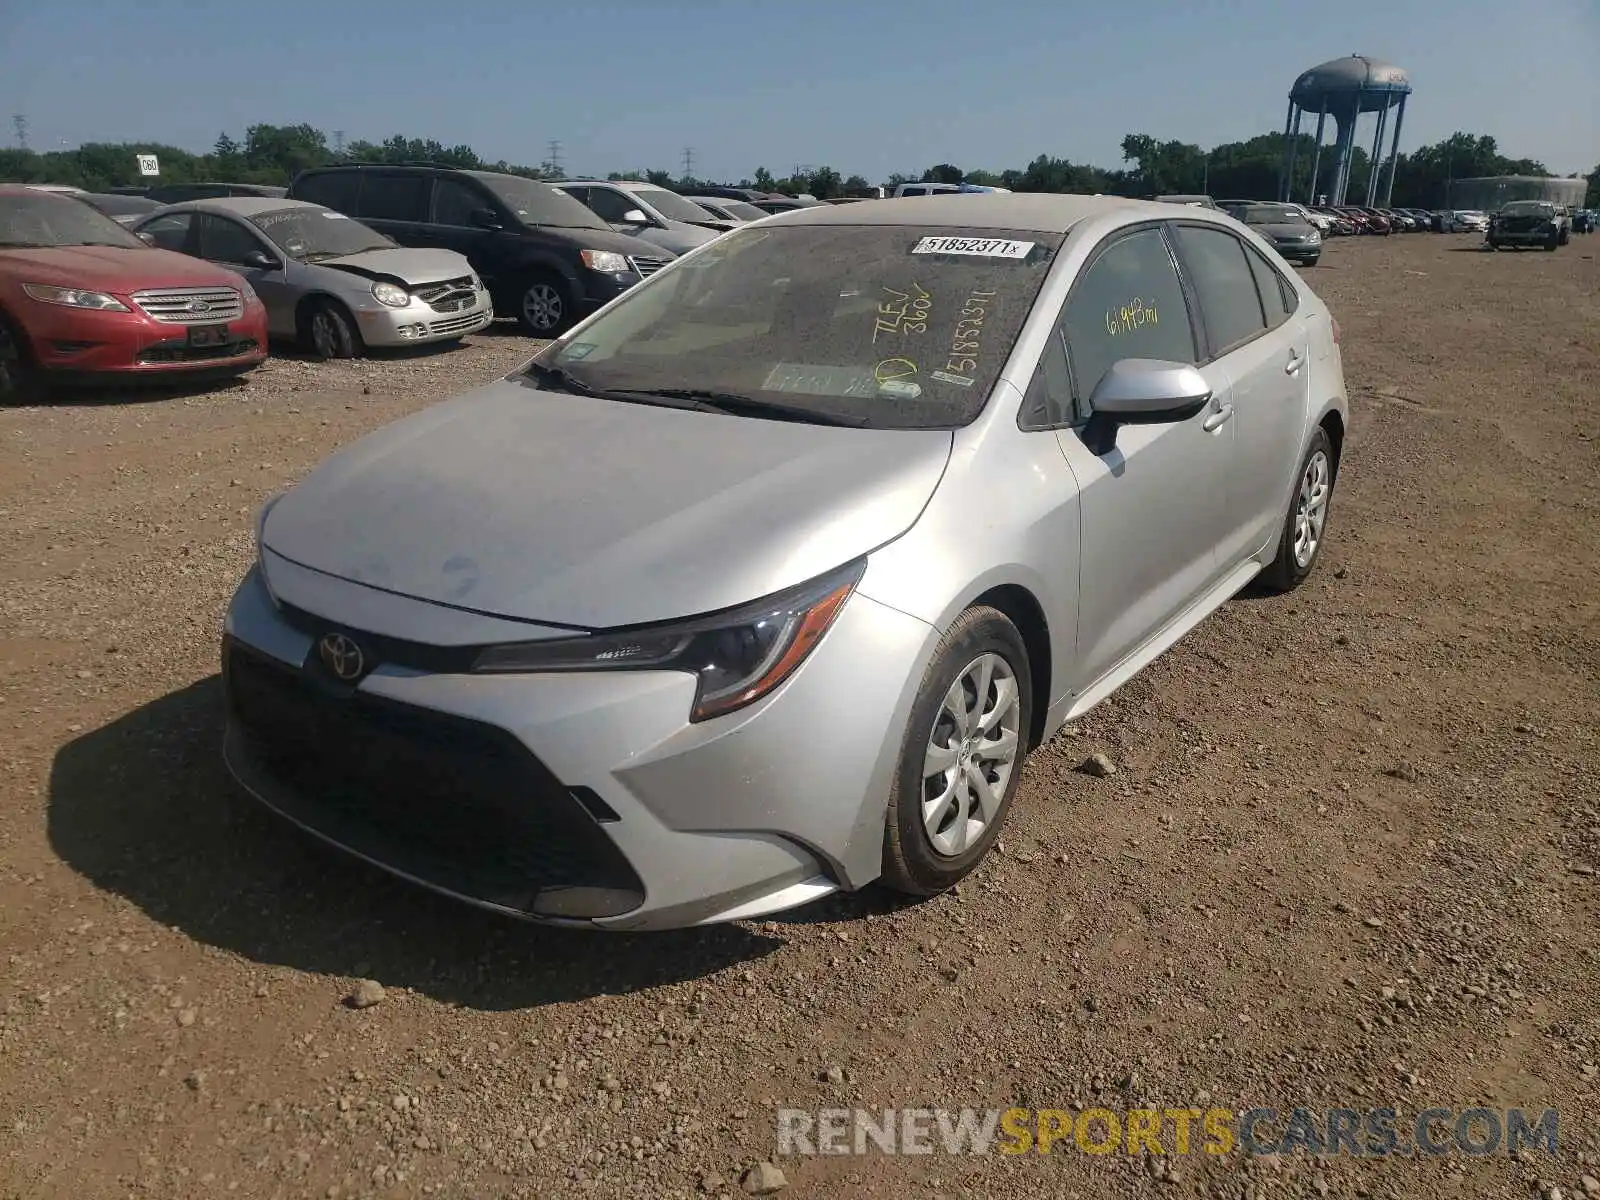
274, 154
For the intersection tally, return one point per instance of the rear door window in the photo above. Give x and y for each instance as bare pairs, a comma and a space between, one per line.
225, 240
1229, 303
337, 190
395, 197
171, 231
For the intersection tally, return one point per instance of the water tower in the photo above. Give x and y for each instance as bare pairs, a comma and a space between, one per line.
1345, 89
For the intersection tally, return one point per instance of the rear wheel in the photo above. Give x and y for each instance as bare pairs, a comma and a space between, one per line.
1305, 524
328, 331
962, 755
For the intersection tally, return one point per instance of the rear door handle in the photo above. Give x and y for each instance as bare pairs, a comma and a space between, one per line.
1218, 419
1293, 365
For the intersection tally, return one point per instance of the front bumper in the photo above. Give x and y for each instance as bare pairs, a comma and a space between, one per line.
1300, 251
573, 798
91, 344
1524, 237
419, 323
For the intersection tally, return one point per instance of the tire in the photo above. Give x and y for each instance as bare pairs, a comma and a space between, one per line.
544, 306
1311, 262
19, 380
982, 644
328, 331
1307, 515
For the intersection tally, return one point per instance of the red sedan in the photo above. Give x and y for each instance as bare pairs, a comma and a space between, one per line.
81, 298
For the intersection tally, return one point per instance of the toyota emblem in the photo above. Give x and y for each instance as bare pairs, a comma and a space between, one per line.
341, 656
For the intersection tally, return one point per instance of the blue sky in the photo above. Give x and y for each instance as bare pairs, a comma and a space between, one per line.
867, 86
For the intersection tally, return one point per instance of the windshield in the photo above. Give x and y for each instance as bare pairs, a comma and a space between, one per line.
1528, 208
670, 205
538, 203
41, 219
1268, 214
312, 234
740, 210
890, 327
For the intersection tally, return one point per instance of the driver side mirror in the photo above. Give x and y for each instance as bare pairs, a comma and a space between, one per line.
260, 258
635, 216
485, 218
1142, 391
149, 239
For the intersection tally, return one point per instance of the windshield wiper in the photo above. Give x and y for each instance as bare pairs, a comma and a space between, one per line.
740, 404
561, 379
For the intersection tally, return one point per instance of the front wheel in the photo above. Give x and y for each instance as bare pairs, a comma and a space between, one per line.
1306, 523
544, 305
962, 755
19, 382
328, 331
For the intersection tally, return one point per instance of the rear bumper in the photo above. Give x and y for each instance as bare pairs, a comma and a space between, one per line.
68, 344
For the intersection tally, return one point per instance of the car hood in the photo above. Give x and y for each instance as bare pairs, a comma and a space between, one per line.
409, 265
605, 239
1284, 232
115, 268
566, 510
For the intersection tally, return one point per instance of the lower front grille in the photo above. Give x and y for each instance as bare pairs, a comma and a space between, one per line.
452, 802
180, 352
456, 324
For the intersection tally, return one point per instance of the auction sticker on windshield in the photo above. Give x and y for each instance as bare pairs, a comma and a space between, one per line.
976, 247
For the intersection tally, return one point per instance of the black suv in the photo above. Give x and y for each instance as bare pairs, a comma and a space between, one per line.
545, 258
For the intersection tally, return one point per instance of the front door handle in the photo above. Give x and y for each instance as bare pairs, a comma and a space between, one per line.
1293, 365
1218, 419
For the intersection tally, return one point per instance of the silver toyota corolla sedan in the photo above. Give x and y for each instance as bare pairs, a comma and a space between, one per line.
761, 582
328, 282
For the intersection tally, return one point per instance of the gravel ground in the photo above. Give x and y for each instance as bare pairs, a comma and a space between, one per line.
1348, 854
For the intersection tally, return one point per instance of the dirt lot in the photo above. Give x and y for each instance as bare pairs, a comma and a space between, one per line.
1348, 856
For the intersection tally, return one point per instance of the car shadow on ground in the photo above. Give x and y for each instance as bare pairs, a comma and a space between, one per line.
290, 351
143, 807
85, 395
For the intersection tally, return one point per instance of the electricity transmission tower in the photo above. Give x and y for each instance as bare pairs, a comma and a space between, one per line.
19, 122
554, 161
688, 162
338, 143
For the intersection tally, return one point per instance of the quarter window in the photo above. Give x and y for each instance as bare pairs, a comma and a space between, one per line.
1128, 304
1225, 284
1274, 289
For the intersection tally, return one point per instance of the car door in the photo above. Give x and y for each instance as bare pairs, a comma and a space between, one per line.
458, 206
1154, 507
395, 203
230, 242
1263, 350
171, 231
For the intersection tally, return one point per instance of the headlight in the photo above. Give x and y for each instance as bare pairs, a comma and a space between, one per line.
387, 293
246, 292
74, 297
607, 261
737, 656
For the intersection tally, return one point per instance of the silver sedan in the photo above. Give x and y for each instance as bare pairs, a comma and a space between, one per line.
328, 282
762, 582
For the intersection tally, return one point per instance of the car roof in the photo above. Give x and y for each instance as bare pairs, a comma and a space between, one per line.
626, 185
1043, 211
239, 206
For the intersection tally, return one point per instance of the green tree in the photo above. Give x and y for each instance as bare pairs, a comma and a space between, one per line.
763, 181
1592, 200
824, 183
943, 173
661, 179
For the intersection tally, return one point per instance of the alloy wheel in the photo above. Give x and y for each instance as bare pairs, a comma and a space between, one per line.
543, 307
971, 754
1311, 509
